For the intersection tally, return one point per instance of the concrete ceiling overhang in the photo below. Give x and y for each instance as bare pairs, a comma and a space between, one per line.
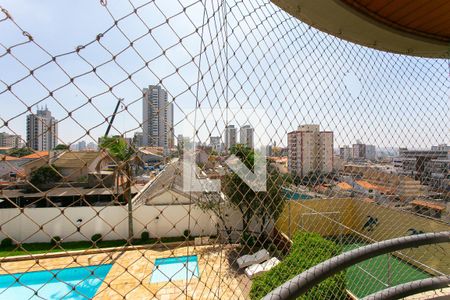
357, 22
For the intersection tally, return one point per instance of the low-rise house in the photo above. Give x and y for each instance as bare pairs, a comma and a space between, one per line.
428, 208
151, 155
8, 165
34, 161
75, 166
166, 188
22, 166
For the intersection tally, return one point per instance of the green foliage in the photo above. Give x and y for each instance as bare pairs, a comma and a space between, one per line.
245, 154
6, 242
145, 236
61, 147
36, 248
96, 237
19, 152
82, 179
56, 240
248, 239
312, 179
117, 147
186, 233
266, 205
308, 250
122, 152
44, 174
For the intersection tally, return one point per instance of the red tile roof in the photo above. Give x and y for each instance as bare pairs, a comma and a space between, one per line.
7, 157
428, 204
37, 154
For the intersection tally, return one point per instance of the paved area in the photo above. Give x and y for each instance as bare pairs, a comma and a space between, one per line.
129, 277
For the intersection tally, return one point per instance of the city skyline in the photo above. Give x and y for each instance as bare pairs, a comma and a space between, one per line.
345, 89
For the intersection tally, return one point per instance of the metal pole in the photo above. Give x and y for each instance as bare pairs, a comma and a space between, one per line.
113, 117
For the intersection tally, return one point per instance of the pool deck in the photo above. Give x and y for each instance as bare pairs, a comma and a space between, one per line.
129, 277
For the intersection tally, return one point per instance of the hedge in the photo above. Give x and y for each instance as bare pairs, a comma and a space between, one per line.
308, 249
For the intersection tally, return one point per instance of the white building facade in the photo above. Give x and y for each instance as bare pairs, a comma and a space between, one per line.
10, 140
247, 136
346, 153
230, 137
42, 130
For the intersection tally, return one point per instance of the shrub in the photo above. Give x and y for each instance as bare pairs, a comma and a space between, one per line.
308, 249
6, 242
187, 233
145, 236
248, 239
96, 237
43, 175
55, 240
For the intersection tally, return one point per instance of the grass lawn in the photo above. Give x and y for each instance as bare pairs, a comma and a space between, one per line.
385, 268
36, 248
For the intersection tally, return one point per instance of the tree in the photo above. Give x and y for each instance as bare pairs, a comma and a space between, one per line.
61, 147
265, 205
45, 174
122, 153
212, 202
272, 200
19, 152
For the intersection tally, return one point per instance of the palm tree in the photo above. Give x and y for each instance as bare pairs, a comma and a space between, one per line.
122, 153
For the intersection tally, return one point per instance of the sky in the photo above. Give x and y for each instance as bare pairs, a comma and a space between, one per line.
246, 63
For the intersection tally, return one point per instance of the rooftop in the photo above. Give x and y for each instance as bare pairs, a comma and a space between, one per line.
35, 155
73, 159
428, 204
7, 157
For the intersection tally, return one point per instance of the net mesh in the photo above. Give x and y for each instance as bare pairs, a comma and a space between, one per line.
211, 149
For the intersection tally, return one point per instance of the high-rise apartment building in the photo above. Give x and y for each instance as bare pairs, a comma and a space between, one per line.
230, 137
371, 152
345, 153
247, 136
138, 139
157, 119
82, 146
10, 140
359, 151
92, 146
363, 152
310, 150
42, 130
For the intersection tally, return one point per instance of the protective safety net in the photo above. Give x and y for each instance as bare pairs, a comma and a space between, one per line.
210, 150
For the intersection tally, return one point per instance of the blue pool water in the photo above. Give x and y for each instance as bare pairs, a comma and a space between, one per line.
295, 196
175, 268
70, 283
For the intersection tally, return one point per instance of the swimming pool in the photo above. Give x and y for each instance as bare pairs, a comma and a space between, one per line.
291, 195
70, 283
175, 268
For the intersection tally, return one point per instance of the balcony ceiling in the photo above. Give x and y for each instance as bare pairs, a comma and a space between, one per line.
413, 27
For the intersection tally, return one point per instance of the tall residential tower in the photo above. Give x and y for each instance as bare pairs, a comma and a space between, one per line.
247, 136
230, 137
310, 150
157, 119
42, 130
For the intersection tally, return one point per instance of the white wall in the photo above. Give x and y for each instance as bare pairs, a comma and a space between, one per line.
111, 222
